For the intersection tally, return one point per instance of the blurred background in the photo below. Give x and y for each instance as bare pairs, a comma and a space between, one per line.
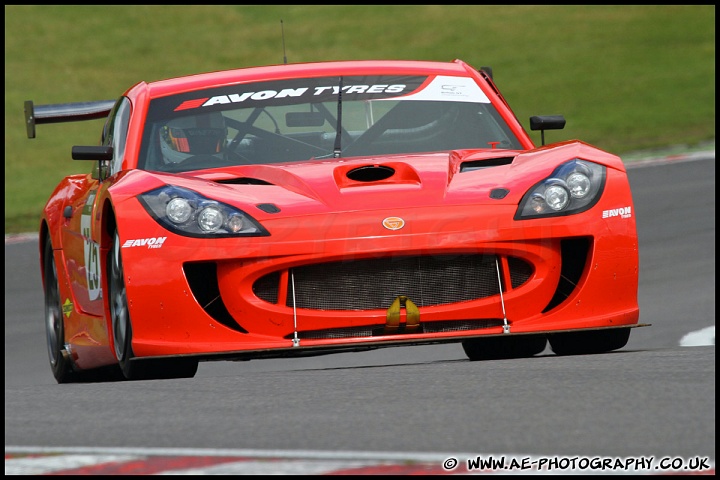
627, 78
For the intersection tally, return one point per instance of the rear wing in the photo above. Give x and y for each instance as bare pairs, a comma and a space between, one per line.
64, 112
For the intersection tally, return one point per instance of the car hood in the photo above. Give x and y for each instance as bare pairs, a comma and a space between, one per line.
461, 177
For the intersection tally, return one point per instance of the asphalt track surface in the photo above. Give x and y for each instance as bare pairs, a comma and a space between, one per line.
648, 408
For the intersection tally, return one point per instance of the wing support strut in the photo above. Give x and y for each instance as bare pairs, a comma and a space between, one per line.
64, 112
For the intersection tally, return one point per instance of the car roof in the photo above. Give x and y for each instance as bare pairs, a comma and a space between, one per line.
176, 85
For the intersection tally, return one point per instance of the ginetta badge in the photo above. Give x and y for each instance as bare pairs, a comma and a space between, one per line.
393, 223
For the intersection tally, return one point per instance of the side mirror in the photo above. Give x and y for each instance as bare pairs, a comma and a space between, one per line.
547, 122
92, 153
101, 154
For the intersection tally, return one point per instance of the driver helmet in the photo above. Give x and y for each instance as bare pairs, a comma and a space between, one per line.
185, 137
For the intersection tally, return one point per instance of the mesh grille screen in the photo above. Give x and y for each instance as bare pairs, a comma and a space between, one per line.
266, 287
375, 283
520, 271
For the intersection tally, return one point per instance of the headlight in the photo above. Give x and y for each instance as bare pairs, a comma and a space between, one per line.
556, 197
572, 188
178, 210
188, 213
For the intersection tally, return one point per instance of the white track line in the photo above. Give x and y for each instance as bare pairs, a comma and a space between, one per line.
705, 336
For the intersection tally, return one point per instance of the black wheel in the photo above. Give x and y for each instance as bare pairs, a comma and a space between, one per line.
119, 316
496, 348
588, 342
135, 369
60, 362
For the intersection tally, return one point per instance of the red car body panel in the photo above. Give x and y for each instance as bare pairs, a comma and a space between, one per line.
327, 218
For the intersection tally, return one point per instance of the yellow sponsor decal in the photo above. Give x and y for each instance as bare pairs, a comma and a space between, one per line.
67, 307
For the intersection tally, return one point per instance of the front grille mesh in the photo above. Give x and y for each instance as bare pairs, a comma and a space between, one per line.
520, 271
370, 284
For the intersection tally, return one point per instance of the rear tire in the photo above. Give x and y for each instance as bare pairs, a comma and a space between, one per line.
60, 362
132, 368
588, 342
503, 347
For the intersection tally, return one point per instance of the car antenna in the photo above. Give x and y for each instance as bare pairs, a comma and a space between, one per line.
282, 29
338, 135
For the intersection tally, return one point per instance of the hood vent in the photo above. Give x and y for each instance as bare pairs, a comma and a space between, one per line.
268, 207
371, 173
243, 181
485, 163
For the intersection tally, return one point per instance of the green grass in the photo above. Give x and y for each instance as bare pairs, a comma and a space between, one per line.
626, 77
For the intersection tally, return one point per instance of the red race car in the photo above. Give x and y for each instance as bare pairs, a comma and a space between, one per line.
306, 209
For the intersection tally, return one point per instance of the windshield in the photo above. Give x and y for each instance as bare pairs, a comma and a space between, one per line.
299, 120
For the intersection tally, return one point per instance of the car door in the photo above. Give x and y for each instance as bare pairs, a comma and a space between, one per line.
83, 214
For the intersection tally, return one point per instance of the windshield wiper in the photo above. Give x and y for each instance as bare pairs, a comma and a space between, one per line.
338, 134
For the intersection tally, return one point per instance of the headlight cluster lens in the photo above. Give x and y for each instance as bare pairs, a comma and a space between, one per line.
557, 197
579, 184
188, 213
572, 188
178, 210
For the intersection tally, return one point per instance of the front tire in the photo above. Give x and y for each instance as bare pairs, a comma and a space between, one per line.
504, 347
132, 368
588, 342
119, 316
